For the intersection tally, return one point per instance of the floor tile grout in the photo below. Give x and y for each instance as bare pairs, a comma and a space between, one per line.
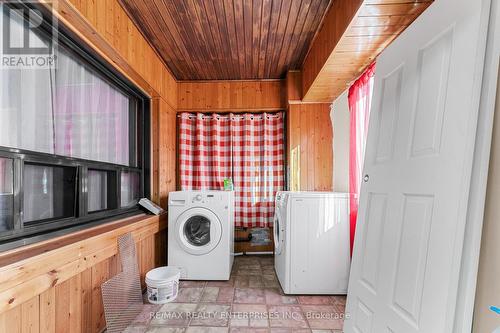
262, 294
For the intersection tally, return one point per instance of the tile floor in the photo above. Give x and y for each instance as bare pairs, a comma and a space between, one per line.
251, 301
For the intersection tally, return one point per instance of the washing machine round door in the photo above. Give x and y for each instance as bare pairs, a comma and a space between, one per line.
279, 232
198, 231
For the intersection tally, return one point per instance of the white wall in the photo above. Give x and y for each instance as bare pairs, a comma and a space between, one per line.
340, 119
488, 282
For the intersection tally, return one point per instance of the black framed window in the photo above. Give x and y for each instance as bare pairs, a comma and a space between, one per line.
49, 192
130, 188
74, 142
101, 190
6, 194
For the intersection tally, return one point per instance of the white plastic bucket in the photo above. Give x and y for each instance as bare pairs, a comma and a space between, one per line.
163, 284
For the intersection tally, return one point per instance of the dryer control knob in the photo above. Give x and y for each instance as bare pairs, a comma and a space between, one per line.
198, 197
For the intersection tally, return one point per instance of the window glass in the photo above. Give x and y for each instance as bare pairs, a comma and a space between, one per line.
130, 188
6, 194
101, 189
49, 192
68, 110
91, 117
25, 100
97, 190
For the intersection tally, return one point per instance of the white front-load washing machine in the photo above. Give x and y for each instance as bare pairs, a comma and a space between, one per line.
201, 234
311, 237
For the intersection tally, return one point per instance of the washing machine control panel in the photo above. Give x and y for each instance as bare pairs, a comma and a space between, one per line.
202, 198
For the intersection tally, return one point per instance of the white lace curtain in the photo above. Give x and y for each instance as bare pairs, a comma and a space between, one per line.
67, 110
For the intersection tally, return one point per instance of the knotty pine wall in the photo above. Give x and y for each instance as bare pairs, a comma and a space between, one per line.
59, 290
310, 130
72, 300
231, 96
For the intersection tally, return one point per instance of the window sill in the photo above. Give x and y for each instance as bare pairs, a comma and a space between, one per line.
31, 246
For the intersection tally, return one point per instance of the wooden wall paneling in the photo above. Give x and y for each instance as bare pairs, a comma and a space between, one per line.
114, 265
75, 304
231, 96
140, 264
164, 148
155, 156
10, 321
65, 302
30, 316
325, 146
48, 311
167, 154
310, 129
147, 257
56, 266
100, 273
62, 303
160, 252
70, 300
86, 277
307, 157
170, 88
293, 126
318, 160
354, 33
294, 86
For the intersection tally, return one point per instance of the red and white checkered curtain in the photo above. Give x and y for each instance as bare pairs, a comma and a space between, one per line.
248, 148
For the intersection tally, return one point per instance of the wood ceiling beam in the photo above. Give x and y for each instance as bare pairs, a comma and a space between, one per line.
353, 34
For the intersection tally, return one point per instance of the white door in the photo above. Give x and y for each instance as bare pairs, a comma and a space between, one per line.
418, 164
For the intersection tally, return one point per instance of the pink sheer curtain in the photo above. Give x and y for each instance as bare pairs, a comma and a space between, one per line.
360, 96
91, 117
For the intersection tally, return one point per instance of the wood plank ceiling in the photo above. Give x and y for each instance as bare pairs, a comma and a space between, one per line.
229, 39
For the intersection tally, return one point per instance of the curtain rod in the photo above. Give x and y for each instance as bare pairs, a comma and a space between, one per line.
228, 111
234, 116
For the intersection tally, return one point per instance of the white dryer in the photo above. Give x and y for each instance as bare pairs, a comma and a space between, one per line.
311, 236
201, 234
